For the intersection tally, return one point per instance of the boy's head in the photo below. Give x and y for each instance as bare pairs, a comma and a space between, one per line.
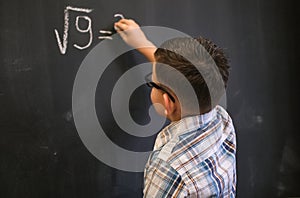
193, 71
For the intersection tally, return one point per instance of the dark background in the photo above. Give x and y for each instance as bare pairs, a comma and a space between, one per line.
41, 154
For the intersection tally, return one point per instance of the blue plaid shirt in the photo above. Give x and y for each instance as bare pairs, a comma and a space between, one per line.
194, 157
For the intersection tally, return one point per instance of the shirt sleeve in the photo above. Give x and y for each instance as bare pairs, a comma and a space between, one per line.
161, 180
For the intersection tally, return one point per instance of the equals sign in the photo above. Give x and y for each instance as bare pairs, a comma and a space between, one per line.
107, 34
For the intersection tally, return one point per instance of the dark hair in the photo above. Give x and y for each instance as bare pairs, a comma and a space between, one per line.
201, 62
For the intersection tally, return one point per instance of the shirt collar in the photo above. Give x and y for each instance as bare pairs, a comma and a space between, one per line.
185, 125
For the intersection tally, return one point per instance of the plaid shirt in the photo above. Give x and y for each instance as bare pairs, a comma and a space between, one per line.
194, 157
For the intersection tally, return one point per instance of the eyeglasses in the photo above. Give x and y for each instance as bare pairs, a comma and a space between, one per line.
152, 84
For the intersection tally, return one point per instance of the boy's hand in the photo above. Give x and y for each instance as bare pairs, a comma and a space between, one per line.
132, 34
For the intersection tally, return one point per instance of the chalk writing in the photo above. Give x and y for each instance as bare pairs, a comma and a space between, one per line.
119, 15
63, 43
107, 32
89, 29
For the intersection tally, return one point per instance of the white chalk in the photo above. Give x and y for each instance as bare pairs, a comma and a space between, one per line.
79, 9
62, 44
105, 37
105, 32
119, 15
88, 29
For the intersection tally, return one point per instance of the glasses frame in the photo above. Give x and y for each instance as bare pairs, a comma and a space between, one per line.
152, 84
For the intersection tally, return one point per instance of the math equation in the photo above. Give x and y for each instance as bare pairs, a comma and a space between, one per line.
62, 42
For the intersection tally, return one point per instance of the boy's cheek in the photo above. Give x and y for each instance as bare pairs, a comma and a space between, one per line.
156, 99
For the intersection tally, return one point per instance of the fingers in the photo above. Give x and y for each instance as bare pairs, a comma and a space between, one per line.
131, 33
125, 24
122, 34
119, 26
128, 21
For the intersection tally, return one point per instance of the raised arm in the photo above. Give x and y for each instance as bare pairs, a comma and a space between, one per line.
132, 34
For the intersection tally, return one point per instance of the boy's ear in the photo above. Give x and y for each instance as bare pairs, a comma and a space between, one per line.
170, 106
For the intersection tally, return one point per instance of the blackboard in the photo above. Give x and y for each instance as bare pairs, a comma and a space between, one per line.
42, 154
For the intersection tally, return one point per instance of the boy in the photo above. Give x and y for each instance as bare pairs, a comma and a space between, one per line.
194, 156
